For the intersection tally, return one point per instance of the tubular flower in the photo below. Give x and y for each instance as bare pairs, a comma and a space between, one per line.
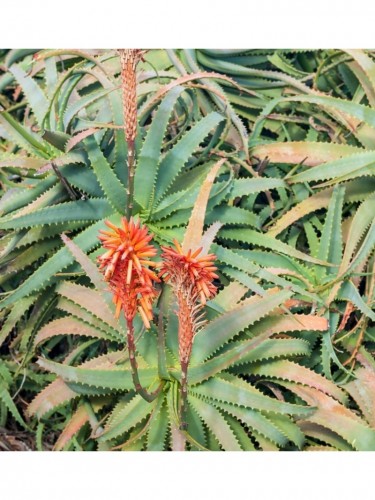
126, 267
192, 278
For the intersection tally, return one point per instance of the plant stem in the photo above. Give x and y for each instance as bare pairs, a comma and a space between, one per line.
130, 188
183, 402
162, 360
129, 59
147, 396
178, 439
72, 194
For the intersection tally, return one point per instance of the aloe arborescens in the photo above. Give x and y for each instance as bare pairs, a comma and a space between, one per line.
290, 334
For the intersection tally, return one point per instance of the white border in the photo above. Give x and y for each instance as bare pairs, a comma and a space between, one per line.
188, 23
186, 476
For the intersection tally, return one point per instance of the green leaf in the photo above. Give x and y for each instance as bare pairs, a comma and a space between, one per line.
232, 215
85, 262
336, 417
233, 258
87, 210
14, 316
355, 190
43, 276
325, 435
149, 158
350, 293
230, 389
289, 428
112, 379
6, 398
178, 156
34, 94
22, 137
361, 221
359, 111
225, 327
365, 249
244, 187
195, 427
287, 370
112, 187
241, 434
126, 415
158, 431
255, 420
277, 348
365, 72
216, 423
348, 167
73, 109
57, 139
330, 246
263, 240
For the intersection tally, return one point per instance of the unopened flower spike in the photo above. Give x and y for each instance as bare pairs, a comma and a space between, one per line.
191, 275
128, 270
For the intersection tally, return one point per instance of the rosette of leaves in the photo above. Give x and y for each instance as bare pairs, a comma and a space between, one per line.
315, 131
272, 74
104, 383
62, 168
246, 352
70, 159
301, 233
248, 344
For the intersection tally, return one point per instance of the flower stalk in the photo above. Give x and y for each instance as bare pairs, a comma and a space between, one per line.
129, 59
126, 265
128, 269
148, 396
191, 277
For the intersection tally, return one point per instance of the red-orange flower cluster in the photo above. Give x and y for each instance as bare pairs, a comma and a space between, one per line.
192, 280
126, 267
194, 271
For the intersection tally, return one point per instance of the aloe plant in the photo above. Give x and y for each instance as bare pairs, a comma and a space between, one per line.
262, 158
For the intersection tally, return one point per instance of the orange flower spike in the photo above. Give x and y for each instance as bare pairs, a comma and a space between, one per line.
192, 279
128, 274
